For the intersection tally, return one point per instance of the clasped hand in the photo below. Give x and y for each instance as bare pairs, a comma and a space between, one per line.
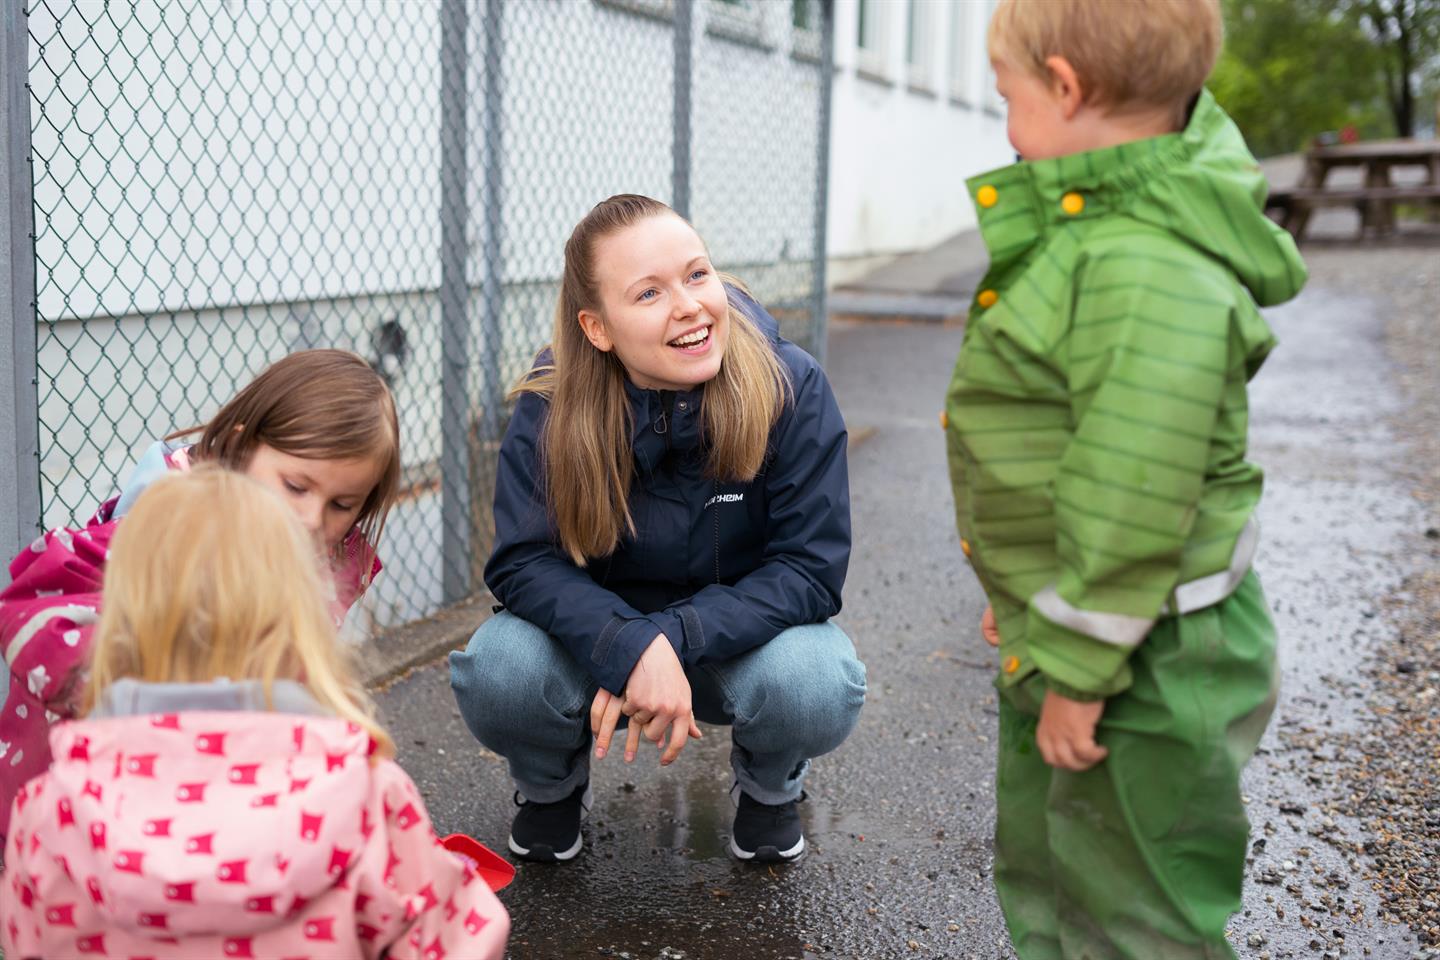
1066, 732
656, 698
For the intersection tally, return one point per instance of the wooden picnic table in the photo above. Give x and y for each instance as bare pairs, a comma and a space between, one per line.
1378, 195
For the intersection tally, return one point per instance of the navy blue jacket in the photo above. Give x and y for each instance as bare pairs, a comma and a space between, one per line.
718, 568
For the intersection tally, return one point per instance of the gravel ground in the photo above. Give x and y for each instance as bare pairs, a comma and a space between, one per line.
1342, 795
1393, 766
1346, 842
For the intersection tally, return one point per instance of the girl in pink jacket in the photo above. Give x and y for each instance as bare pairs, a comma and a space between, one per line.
318, 427
191, 815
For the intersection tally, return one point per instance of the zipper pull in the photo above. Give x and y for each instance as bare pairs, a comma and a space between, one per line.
667, 402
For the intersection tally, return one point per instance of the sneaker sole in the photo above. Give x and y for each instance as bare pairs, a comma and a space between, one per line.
767, 854
542, 853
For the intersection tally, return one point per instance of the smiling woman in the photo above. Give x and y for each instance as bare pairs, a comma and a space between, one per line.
672, 532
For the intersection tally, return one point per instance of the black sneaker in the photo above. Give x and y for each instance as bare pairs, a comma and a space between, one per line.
549, 832
765, 833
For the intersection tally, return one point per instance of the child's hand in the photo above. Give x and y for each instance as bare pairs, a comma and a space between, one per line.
1066, 734
988, 629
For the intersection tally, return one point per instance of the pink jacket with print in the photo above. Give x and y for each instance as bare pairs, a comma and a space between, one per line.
48, 612
212, 834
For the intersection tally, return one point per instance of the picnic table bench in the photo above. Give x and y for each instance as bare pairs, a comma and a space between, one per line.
1376, 198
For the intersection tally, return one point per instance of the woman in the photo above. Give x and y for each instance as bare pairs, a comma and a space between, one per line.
672, 531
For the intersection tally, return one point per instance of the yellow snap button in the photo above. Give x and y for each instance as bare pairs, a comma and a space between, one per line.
1011, 664
1072, 203
965, 546
987, 298
987, 196
944, 420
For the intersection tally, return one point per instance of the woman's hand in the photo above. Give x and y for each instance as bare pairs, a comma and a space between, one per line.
656, 697
988, 628
604, 715
1066, 734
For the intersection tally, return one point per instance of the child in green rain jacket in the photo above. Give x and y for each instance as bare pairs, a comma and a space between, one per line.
1096, 427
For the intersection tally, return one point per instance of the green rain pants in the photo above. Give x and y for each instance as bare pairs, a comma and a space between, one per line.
1142, 856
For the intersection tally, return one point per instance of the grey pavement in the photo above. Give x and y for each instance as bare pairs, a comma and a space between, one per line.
899, 818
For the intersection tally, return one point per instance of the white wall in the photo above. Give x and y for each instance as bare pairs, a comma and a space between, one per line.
220, 183
902, 145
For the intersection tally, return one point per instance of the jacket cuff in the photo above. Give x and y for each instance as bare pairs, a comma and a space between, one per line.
622, 642
1075, 665
675, 628
618, 650
1070, 693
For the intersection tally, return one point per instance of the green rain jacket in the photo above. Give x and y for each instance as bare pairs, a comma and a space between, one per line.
1097, 416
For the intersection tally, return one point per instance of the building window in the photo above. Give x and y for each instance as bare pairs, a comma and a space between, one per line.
741, 20
961, 41
805, 29
990, 97
920, 45
660, 9
870, 38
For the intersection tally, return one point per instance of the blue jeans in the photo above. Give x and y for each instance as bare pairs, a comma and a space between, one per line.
523, 696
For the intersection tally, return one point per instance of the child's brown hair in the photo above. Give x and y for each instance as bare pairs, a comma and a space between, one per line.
1128, 54
316, 404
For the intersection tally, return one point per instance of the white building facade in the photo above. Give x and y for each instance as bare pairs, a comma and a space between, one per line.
915, 114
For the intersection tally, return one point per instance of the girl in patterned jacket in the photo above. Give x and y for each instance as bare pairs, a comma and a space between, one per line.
318, 427
191, 815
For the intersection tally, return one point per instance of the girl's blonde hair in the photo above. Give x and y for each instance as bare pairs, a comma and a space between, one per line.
1140, 54
585, 450
316, 404
211, 576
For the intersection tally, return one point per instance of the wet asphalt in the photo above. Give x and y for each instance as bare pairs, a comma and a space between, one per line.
899, 818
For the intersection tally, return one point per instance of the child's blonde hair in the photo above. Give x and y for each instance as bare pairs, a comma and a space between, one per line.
211, 576
1127, 54
318, 404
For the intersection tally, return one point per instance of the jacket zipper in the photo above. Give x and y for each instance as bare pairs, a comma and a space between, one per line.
662, 426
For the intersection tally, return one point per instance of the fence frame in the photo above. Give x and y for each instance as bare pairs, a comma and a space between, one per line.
470, 325
820, 303
19, 399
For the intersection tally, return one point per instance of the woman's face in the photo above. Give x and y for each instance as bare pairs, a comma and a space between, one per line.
663, 310
326, 495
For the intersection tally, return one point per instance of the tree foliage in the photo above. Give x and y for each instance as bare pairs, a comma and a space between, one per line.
1292, 69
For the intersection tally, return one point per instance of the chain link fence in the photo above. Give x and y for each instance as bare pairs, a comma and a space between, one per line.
217, 183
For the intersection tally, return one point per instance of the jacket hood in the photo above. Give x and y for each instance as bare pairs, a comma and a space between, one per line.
1201, 184
250, 815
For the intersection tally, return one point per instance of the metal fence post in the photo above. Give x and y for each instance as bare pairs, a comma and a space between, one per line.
819, 317
19, 420
684, 77
492, 281
454, 297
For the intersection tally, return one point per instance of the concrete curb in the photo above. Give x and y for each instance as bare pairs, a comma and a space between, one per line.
392, 654
887, 306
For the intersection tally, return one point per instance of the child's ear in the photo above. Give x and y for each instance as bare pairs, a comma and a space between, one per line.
595, 332
1065, 85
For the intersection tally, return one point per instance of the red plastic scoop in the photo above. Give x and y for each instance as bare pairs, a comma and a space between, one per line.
495, 870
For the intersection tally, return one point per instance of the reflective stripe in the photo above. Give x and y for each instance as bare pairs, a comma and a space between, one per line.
1119, 629
1123, 630
1210, 590
80, 616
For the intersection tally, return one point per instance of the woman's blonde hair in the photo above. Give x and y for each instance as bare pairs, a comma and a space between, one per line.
1138, 54
320, 405
585, 449
211, 576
